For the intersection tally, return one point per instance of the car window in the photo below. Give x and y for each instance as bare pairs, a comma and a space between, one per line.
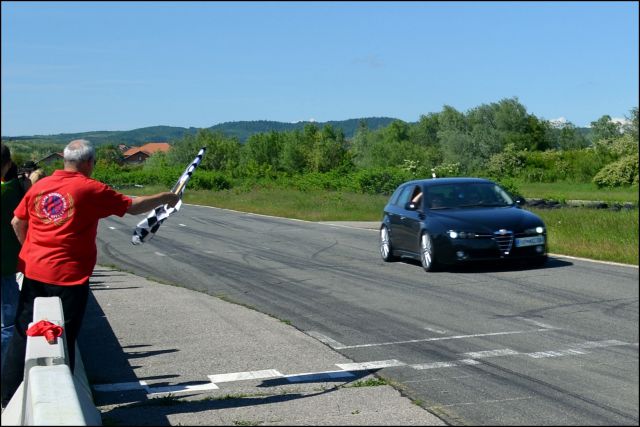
394, 197
440, 197
405, 196
501, 195
467, 195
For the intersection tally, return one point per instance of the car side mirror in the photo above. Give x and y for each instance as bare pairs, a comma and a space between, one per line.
410, 206
520, 201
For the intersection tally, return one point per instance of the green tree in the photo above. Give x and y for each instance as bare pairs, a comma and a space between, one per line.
425, 132
605, 128
632, 126
293, 156
451, 119
264, 149
109, 153
223, 154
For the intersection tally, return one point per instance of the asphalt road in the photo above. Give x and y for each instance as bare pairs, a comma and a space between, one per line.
485, 345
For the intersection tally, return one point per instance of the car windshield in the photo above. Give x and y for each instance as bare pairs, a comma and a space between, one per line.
467, 195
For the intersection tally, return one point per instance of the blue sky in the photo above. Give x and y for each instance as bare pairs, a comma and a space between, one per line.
87, 66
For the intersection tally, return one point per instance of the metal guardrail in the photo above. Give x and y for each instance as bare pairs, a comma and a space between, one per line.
50, 394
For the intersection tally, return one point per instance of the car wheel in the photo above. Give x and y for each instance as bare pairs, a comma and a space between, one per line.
386, 251
427, 252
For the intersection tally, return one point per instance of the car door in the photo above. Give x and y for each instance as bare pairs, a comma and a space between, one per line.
410, 221
394, 211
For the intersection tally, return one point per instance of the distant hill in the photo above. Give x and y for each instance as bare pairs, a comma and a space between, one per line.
240, 129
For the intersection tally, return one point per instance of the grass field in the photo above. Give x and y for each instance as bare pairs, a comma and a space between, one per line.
572, 191
589, 233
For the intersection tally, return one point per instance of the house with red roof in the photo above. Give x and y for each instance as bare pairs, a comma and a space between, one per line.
135, 155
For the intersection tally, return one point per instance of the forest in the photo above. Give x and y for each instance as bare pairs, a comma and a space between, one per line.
499, 140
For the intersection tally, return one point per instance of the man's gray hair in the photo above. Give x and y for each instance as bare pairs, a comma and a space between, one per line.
79, 150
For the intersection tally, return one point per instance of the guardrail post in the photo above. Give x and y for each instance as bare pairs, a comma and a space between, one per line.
49, 394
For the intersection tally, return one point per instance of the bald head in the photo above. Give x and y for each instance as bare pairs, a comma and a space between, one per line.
79, 156
77, 151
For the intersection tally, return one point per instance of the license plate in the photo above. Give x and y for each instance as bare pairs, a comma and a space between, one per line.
529, 241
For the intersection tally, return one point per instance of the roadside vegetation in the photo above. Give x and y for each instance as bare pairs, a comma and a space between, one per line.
317, 174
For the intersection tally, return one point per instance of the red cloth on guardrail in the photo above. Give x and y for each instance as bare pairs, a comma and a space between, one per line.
49, 330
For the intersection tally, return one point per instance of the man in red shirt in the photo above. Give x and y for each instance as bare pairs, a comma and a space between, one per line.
57, 222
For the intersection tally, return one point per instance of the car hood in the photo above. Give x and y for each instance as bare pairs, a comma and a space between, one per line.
487, 219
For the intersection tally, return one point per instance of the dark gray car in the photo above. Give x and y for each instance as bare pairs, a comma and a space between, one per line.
456, 220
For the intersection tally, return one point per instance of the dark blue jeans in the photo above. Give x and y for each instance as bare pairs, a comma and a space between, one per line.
74, 303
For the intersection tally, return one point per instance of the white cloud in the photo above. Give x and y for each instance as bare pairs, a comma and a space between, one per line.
560, 122
623, 121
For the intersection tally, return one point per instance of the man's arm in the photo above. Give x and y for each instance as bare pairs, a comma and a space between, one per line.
20, 228
144, 204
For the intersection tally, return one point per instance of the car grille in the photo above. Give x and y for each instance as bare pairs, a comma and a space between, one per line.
504, 239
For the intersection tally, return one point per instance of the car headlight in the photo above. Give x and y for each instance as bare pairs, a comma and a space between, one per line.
534, 230
453, 234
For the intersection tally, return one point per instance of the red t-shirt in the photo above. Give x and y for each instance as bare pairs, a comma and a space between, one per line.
62, 211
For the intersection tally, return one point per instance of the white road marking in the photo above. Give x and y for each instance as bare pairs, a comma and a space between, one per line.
535, 322
250, 375
348, 369
182, 388
454, 337
112, 228
491, 353
437, 331
575, 349
159, 253
325, 339
182, 225
379, 364
469, 362
596, 344
554, 353
436, 365
595, 260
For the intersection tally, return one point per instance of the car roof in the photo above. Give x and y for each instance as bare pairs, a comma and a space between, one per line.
456, 180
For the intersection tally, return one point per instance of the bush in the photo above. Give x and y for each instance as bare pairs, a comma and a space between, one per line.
319, 181
444, 170
620, 173
506, 163
209, 180
510, 187
379, 181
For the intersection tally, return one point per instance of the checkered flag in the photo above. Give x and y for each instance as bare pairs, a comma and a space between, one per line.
147, 227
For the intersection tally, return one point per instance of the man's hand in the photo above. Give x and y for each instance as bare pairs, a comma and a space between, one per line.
20, 228
171, 199
144, 204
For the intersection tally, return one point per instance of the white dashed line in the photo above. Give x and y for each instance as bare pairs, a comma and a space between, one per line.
558, 353
250, 375
182, 388
159, 253
437, 331
112, 228
454, 337
535, 322
491, 353
348, 369
325, 339
369, 365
